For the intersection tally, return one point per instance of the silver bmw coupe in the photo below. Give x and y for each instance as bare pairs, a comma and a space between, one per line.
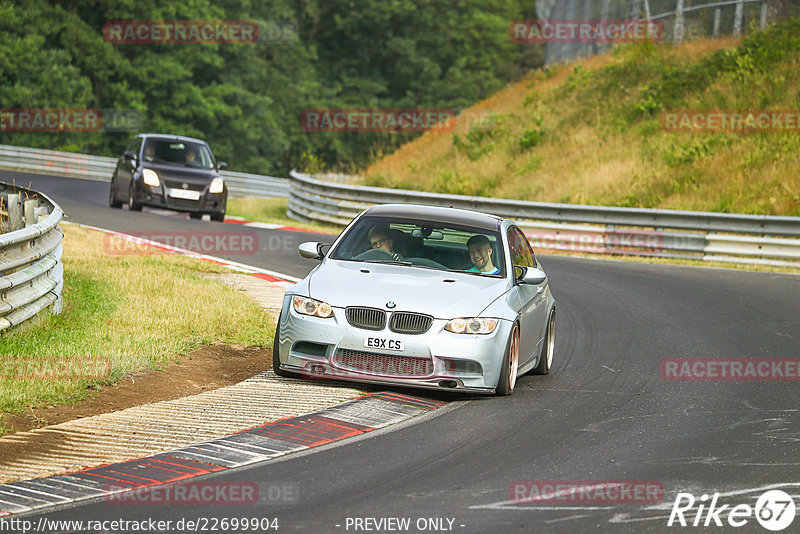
422, 297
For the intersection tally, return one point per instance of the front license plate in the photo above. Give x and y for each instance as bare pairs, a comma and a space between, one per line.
186, 194
383, 343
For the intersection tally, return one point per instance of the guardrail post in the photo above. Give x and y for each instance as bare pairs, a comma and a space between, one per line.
737, 19
717, 15
763, 24
636, 7
678, 29
40, 214
30, 214
14, 212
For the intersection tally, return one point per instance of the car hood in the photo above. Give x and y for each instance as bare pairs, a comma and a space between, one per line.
343, 284
190, 175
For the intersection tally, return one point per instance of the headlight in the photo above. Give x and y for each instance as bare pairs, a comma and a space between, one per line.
216, 185
151, 178
471, 325
308, 306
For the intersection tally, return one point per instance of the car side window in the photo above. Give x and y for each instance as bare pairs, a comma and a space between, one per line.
521, 251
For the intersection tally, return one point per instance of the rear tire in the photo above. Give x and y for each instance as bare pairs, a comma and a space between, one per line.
548, 348
276, 360
508, 374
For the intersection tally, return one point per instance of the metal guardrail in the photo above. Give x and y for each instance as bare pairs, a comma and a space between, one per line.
579, 228
31, 273
560, 227
51, 162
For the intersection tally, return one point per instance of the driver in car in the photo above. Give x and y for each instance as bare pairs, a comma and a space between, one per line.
480, 252
379, 238
191, 158
149, 152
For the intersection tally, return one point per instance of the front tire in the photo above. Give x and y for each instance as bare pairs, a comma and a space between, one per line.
132, 204
546, 357
112, 196
508, 374
276, 360
219, 217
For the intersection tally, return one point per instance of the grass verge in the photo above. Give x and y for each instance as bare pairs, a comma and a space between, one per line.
273, 210
122, 314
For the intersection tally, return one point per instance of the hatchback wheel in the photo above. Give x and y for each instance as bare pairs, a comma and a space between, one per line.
112, 196
132, 204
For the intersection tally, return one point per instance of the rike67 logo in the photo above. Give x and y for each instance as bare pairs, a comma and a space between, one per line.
774, 510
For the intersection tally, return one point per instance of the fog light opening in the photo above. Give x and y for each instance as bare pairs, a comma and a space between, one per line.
450, 384
317, 369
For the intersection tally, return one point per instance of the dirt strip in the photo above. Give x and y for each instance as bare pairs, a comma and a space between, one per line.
143, 430
152, 428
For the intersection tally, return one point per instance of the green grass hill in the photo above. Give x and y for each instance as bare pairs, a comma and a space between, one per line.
590, 132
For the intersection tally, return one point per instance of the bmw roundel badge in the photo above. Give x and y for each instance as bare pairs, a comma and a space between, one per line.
390, 304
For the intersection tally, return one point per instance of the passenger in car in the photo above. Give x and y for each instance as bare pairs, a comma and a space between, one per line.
480, 252
379, 238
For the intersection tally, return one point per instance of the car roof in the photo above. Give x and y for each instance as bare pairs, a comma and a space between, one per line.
171, 137
437, 214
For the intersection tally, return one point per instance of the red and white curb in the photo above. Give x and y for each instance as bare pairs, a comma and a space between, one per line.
259, 444
231, 219
277, 278
264, 225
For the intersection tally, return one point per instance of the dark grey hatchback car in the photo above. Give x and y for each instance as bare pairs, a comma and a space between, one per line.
171, 172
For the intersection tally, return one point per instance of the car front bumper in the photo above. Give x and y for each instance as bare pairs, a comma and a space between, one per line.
438, 359
158, 197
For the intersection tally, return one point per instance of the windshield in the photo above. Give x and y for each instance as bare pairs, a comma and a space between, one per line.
182, 153
423, 244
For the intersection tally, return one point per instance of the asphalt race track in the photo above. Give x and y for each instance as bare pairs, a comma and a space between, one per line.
603, 414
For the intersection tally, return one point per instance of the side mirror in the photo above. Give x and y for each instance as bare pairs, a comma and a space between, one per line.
129, 155
221, 165
312, 250
529, 275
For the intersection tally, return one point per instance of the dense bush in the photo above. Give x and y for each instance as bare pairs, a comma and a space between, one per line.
246, 99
